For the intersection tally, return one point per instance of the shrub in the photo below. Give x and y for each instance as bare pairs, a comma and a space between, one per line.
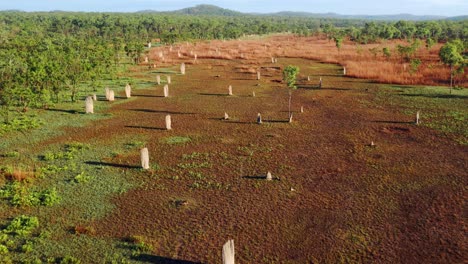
67, 154
76, 146
15, 193
21, 123
290, 74
386, 52
49, 170
82, 178
22, 225
139, 246
11, 154
27, 247
49, 197
3, 250
18, 195
414, 65
70, 260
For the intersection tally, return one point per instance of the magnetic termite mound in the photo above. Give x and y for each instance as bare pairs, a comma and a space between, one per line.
228, 252
182, 68
166, 90
89, 102
144, 158
168, 122
128, 91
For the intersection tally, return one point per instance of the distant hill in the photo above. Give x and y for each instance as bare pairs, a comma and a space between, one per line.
458, 18
362, 17
212, 10
200, 10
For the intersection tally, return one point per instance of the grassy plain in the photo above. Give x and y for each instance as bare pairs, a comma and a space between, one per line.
334, 198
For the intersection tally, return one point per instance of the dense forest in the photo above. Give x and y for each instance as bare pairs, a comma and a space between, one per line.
46, 55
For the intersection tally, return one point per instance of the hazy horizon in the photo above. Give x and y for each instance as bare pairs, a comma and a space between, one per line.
358, 7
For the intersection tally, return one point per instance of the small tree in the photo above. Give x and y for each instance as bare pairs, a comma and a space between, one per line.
338, 42
289, 75
450, 54
386, 52
414, 65
429, 43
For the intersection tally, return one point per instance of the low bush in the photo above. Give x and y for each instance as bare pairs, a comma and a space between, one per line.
21, 123
22, 225
19, 195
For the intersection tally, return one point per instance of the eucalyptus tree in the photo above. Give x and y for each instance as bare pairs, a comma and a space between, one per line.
451, 55
289, 76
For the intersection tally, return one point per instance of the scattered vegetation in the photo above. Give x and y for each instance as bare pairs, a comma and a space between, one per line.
177, 140
19, 195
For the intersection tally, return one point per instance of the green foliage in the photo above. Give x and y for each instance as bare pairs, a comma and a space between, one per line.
49, 170
70, 260
139, 246
27, 247
11, 154
338, 41
47, 197
82, 178
50, 156
76, 146
22, 226
386, 52
21, 123
16, 193
414, 65
451, 55
19, 195
68, 153
176, 140
430, 42
407, 52
290, 74
3, 250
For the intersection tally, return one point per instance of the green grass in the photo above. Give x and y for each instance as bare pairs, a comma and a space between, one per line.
164, 71
176, 140
74, 173
439, 109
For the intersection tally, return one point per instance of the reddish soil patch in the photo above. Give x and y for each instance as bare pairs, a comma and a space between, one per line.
393, 130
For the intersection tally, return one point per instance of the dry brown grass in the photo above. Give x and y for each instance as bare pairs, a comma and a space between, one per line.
359, 60
84, 230
19, 175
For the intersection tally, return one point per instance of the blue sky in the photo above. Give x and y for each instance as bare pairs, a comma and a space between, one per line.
347, 7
